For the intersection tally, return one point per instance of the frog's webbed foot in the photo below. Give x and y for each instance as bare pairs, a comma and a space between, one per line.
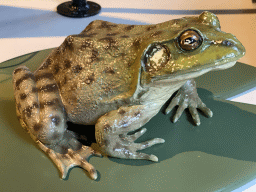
70, 153
112, 132
187, 97
41, 112
127, 148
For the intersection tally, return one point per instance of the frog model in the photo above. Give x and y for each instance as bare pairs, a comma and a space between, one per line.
117, 77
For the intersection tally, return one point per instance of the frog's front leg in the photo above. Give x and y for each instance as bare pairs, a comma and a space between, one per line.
187, 97
41, 112
112, 132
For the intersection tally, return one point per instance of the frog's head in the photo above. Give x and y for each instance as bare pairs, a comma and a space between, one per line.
196, 46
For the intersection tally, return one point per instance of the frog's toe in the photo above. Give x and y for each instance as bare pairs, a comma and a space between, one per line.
134, 147
145, 156
173, 103
71, 159
146, 144
179, 112
126, 148
206, 110
136, 135
195, 116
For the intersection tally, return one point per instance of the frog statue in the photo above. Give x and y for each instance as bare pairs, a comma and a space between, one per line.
117, 77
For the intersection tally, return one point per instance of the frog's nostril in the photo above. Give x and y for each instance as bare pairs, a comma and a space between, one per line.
227, 43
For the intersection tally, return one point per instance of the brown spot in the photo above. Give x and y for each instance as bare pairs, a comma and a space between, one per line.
37, 127
65, 80
111, 42
124, 124
94, 55
129, 64
64, 156
137, 114
25, 77
128, 28
28, 110
136, 43
121, 111
49, 103
23, 96
35, 105
57, 51
89, 35
156, 33
43, 76
151, 27
19, 70
67, 64
86, 44
48, 151
49, 88
74, 86
56, 69
124, 36
77, 69
109, 70
107, 128
106, 25
18, 105
71, 154
46, 64
90, 79
112, 34
56, 120
106, 142
68, 43
123, 55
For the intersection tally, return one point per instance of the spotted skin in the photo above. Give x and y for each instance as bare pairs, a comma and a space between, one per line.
117, 77
42, 120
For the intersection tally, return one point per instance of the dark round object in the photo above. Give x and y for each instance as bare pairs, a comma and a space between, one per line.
78, 8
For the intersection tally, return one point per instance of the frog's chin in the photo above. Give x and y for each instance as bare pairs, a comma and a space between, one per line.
224, 66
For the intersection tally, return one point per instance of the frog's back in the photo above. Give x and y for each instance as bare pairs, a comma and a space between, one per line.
98, 70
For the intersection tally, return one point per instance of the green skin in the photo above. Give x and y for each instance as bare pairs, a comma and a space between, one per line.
118, 82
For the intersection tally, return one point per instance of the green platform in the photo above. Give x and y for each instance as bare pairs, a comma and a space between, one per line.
219, 155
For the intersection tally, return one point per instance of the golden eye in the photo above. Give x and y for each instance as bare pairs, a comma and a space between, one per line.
190, 40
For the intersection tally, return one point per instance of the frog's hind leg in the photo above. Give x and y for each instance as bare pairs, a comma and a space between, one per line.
41, 112
112, 132
38, 105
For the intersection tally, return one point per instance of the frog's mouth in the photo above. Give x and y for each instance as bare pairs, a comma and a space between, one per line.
158, 64
191, 73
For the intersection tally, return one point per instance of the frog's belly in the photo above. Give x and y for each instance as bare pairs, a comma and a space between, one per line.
84, 107
87, 114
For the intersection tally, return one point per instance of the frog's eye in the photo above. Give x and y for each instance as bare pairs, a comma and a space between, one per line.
190, 40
